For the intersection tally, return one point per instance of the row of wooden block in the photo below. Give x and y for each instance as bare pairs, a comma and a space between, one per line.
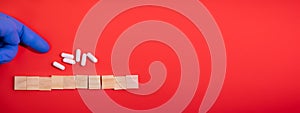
76, 82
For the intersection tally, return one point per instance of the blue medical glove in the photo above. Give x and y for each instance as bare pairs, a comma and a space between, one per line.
13, 33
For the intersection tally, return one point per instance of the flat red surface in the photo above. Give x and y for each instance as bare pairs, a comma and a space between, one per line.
261, 39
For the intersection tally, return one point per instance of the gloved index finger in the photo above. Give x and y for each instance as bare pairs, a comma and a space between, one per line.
34, 41
28, 37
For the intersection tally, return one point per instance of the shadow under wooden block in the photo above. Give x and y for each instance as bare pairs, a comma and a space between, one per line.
94, 82
81, 81
32, 83
120, 82
69, 82
57, 82
132, 81
20, 83
45, 83
108, 82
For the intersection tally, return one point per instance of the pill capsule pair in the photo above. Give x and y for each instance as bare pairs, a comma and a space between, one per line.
88, 55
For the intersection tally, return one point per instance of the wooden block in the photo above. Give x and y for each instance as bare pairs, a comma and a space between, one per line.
108, 82
81, 81
132, 82
120, 82
45, 83
32, 83
69, 82
94, 82
57, 82
20, 83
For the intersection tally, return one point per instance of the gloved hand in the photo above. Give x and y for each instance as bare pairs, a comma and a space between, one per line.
13, 33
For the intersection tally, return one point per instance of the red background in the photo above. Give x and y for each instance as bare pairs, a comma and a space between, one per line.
261, 39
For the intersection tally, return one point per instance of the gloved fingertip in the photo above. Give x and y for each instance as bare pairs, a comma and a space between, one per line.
43, 47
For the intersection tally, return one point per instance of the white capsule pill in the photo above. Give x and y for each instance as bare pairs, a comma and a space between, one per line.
83, 59
69, 61
78, 54
92, 57
58, 65
67, 55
